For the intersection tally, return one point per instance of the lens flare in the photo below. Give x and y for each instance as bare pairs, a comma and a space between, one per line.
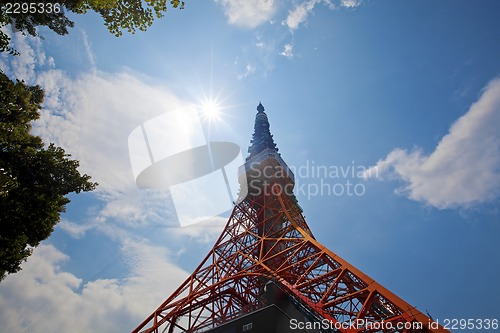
211, 110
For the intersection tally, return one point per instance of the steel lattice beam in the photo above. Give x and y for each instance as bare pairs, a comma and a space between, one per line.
252, 250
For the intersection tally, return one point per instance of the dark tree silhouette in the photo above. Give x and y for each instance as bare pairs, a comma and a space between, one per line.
34, 179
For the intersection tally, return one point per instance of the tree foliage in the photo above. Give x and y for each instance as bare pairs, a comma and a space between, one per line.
33, 179
118, 16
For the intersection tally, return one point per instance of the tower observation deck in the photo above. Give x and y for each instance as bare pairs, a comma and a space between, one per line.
267, 273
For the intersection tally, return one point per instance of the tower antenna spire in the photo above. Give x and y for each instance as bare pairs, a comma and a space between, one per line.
261, 138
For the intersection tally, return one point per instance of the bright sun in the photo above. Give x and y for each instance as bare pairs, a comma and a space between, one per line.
211, 110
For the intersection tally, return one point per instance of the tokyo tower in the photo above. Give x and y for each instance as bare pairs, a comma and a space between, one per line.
267, 272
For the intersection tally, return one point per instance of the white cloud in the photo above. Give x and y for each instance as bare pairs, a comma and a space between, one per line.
287, 51
73, 229
44, 298
249, 70
350, 3
88, 49
204, 232
30, 56
22, 66
299, 14
464, 169
91, 117
248, 14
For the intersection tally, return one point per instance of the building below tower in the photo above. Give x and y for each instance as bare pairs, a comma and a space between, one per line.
283, 314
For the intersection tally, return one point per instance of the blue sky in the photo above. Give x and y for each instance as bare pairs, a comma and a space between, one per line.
407, 91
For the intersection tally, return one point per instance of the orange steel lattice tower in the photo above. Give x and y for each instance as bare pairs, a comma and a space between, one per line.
267, 240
